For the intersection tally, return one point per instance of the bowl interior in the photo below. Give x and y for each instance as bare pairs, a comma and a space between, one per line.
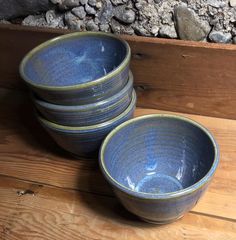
75, 60
159, 155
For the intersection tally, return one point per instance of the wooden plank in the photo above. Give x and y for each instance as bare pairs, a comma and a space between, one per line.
49, 213
197, 78
28, 153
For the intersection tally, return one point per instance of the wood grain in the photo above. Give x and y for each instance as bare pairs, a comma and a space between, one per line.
48, 213
197, 78
28, 153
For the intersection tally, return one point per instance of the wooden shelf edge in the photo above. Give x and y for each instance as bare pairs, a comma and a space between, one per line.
177, 42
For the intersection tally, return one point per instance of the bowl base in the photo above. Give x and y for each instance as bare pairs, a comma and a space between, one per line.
160, 222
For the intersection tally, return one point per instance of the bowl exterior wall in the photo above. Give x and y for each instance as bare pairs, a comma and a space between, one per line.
160, 211
86, 142
87, 116
90, 94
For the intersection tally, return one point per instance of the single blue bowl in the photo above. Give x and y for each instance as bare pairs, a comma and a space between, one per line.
85, 141
88, 114
159, 165
77, 68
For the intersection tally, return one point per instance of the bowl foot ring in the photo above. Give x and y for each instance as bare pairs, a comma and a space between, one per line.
161, 222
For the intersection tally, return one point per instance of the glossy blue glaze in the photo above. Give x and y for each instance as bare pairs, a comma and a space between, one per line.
159, 165
85, 141
88, 114
77, 68
74, 61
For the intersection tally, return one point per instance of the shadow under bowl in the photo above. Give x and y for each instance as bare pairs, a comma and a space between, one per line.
88, 114
77, 68
85, 141
159, 165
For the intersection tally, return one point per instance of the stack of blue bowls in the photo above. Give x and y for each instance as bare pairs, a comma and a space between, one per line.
82, 88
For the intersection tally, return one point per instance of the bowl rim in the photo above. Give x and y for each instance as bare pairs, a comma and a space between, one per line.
98, 126
75, 35
85, 107
162, 196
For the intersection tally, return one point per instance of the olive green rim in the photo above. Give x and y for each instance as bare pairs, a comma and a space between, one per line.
78, 35
91, 127
150, 196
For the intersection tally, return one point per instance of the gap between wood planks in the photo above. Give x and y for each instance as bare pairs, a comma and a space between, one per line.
35, 189
23, 155
61, 214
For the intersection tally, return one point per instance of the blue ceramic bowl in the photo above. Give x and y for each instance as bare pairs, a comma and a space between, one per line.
85, 141
159, 165
88, 114
77, 68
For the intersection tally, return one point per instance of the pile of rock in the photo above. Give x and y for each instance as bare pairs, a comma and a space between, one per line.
202, 20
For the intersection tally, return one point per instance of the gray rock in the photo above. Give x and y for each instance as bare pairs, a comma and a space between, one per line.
166, 18
212, 11
120, 28
96, 20
84, 2
119, 2
106, 12
155, 30
168, 31
234, 40
98, 5
56, 1
232, 3
220, 37
92, 3
73, 22
90, 10
5, 22
141, 31
158, 1
79, 12
55, 19
105, 27
91, 26
214, 21
216, 3
68, 4
16, 8
124, 15
35, 21
233, 32
188, 25
138, 5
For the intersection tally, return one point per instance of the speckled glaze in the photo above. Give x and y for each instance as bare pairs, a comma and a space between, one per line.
77, 68
88, 114
85, 141
159, 165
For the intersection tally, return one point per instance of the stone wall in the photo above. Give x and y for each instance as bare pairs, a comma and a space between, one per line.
202, 20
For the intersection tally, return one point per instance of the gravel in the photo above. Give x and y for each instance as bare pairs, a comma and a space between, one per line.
202, 20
